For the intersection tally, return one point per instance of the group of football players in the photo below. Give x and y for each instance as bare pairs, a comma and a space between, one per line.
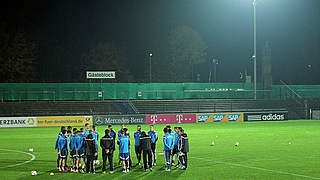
82, 145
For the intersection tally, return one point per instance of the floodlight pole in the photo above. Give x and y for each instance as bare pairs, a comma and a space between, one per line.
255, 49
150, 72
215, 62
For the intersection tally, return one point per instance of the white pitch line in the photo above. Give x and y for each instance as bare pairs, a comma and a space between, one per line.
258, 168
13, 165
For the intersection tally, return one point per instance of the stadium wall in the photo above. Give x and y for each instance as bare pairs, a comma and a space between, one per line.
45, 121
51, 121
48, 121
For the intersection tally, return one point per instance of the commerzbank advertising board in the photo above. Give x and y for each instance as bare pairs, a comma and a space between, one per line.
18, 122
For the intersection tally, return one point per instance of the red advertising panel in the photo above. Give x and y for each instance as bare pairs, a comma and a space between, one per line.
170, 118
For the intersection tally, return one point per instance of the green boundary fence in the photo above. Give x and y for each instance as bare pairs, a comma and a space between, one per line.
102, 91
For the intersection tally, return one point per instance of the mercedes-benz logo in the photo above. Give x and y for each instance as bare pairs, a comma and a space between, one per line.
99, 121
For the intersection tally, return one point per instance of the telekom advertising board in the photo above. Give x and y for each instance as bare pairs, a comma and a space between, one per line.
170, 118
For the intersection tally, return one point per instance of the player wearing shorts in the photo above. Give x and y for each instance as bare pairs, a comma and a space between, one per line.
124, 143
63, 150
56, 146
154, 138
73, 150
77, 146
81, 150
137, 147
119, 135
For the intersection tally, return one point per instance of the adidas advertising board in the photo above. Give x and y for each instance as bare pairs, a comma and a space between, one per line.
266, 116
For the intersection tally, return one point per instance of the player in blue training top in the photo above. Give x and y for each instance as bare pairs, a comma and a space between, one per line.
86, 131
63, 150
137, 136
124, 143
167, 146
81, 150
69, 133
73, 150
154, 138
77, 148
113, 134
96, 138
56, 146
169, 128
176, 145
122, 127
119, 135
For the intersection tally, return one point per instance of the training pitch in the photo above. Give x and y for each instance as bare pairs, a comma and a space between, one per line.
268, 150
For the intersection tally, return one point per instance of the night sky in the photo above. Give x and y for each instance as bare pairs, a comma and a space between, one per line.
291, 26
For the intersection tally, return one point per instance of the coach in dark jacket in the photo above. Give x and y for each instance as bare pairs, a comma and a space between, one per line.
91, 152
183, 149
107, 144
145, 145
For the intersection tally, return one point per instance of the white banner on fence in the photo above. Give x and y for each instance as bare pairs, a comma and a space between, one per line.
18, 122
101, 75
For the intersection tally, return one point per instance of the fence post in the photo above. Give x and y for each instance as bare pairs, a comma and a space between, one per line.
306, 108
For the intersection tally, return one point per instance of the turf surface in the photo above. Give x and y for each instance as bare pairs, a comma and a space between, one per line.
268, 150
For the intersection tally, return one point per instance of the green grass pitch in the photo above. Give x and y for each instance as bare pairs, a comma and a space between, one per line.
268, 150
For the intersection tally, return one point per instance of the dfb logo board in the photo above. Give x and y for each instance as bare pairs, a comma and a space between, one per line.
46, 121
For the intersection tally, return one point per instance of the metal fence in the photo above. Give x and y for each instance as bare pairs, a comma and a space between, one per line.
125, 91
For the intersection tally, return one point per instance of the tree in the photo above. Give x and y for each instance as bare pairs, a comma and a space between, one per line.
107, 57
18, 57
185, 49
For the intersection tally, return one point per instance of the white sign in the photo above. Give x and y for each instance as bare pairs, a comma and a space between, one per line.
18, 122
101, 74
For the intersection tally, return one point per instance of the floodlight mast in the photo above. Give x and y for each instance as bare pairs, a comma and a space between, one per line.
150, 72
254, 57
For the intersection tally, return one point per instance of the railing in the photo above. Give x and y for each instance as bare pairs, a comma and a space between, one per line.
195, 106
227, 94
278, 92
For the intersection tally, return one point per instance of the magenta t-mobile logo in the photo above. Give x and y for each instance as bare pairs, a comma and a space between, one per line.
179, 118
154, 118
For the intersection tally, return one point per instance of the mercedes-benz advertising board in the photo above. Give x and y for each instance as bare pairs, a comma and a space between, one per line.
119, 119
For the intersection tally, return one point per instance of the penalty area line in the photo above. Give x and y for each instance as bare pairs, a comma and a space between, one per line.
253, 167
33, 157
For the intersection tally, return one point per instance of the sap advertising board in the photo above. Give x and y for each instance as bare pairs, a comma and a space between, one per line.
219, 117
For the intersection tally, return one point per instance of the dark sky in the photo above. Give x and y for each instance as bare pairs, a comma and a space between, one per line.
291, 26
